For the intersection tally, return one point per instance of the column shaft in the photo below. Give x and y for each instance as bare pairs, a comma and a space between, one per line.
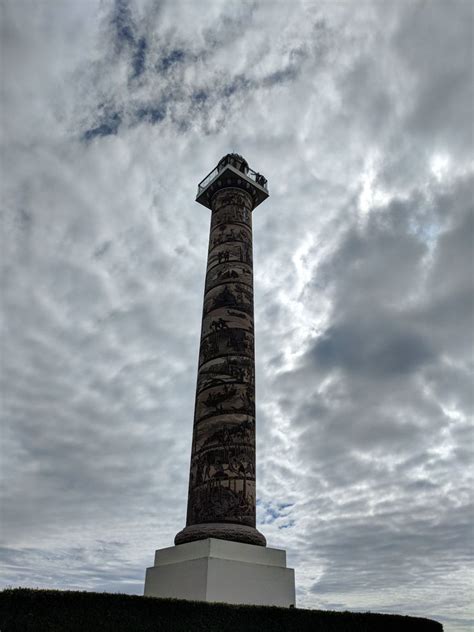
221, 499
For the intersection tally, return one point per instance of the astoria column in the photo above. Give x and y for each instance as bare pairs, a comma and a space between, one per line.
221, 497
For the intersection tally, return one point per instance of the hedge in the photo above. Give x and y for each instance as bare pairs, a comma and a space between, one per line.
29, 610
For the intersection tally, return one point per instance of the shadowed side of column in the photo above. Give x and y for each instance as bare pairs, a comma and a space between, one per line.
221, 499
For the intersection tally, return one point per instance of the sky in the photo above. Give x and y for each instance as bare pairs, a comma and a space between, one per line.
360, 117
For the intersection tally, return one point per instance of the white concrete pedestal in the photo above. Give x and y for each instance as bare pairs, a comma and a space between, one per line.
220, 570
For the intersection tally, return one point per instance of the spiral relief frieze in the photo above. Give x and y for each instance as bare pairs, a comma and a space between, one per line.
222, 471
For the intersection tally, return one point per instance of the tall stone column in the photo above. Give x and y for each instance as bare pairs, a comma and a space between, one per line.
219, 555
221, 497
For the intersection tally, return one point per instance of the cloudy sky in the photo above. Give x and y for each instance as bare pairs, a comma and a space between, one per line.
359, 115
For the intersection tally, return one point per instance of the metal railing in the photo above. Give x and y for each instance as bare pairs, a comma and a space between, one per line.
250, 173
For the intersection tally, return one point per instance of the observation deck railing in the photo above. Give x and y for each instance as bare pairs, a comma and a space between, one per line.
249, 173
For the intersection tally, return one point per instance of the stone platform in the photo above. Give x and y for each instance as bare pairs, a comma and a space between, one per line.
223, 571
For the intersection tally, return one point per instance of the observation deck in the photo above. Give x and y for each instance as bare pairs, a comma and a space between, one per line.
232, 171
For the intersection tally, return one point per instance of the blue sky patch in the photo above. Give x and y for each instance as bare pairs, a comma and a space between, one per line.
138, 62
174, 57
108, 127
152, 114
123, 24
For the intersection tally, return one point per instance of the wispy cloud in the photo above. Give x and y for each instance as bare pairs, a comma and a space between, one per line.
361, 121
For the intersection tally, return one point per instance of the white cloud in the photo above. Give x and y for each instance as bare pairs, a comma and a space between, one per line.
113, 112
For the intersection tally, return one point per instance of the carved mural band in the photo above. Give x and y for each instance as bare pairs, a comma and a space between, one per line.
222, 480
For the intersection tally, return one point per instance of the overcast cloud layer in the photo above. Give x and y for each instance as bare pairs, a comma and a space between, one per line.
360, 118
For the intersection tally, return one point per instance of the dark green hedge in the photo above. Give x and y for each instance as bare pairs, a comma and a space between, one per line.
26, 610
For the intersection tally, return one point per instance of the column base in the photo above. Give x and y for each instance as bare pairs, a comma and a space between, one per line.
221, 531
221, 571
